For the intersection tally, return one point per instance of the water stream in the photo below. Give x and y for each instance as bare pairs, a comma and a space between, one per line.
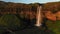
39, 16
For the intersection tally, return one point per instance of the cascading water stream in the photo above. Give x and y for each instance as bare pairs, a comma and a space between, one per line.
39, 17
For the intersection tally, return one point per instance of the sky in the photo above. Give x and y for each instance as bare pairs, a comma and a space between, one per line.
30, 1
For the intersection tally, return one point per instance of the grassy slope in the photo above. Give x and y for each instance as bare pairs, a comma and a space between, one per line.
54, 26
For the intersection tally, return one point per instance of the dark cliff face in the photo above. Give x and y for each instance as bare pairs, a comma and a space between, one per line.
27, 10
52, 6
24, 10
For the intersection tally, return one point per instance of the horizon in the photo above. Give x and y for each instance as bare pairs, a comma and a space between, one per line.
30, 1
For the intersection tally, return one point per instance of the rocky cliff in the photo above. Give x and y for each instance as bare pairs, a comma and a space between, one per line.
29, 10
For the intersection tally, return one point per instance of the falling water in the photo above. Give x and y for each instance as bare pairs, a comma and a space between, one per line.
39, 17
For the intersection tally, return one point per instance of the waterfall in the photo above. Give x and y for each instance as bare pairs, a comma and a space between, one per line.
38, 17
